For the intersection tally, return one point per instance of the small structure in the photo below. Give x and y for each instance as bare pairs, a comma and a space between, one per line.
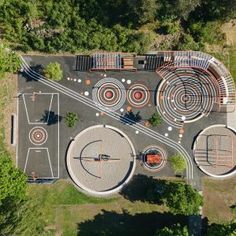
153, 158
112, 61
214, 151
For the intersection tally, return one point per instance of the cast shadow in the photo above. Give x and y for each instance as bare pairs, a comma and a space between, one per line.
50, 118
141, 187
131, 118
111, 223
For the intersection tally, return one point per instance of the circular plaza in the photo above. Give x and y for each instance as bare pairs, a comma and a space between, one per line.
185, 95
214, 151
101, 160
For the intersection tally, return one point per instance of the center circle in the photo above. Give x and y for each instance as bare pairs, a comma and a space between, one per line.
96, 165
138, 95
109, 94
38, 135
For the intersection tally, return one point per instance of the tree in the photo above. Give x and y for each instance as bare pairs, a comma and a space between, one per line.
144, 11
184, 7
175, 230
178, 164
222, 229
155, 119
9, 61
182, 198
53, 71
18, 215
12, 180
71, 119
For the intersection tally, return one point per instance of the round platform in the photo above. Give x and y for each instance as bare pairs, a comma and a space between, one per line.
110, 93
101, 160
154, 158
214, 151
185, 95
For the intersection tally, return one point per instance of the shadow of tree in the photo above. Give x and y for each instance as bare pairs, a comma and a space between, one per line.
111, 223
29, 76
51, 118
139, 187
131, 118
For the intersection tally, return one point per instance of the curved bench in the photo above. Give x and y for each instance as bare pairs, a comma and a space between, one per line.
203, 61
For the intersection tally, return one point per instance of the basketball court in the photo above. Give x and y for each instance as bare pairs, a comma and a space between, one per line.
38, 135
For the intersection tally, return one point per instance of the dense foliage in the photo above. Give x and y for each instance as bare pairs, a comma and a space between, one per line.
122, 25
222, 229
175, 230
53, 71
18, 213
180, 198
9, 61
155, 119
178, 164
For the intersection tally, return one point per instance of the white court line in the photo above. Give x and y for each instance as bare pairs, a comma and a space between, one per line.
49, 161
58, 140
44, 123
26, 110
50, 107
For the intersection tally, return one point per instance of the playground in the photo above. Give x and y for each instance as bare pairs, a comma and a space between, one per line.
191, 91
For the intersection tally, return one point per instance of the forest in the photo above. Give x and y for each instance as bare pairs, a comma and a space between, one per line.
52, 26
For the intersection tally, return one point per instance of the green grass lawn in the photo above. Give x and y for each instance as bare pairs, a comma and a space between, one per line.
69, 212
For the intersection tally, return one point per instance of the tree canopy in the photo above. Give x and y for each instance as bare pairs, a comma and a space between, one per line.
178, 164
175, 230
9, 61
132, 25
53, 71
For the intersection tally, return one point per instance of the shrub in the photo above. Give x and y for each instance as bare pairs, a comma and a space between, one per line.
155, 119
53, 71
178, 164
71, 119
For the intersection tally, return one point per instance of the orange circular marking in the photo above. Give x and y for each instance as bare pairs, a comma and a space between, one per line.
147, 123
129, 108
87, 81
181, 131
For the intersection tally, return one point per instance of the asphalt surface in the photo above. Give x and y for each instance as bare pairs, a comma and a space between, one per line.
88, 116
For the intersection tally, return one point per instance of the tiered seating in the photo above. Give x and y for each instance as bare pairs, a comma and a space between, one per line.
83, 63
225, 81
106, 61
191, 59
153, 62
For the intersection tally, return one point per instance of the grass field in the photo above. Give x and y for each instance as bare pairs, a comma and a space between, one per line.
69, 212
8, 87
219, 197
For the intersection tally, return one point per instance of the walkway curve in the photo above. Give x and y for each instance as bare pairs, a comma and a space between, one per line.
112, 114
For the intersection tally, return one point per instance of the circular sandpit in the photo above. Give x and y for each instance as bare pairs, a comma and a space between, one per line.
153, 158
101, 160
214, 151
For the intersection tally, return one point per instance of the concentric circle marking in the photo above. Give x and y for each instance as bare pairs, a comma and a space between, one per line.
38, 135
192, 94
109, 92
138, 95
